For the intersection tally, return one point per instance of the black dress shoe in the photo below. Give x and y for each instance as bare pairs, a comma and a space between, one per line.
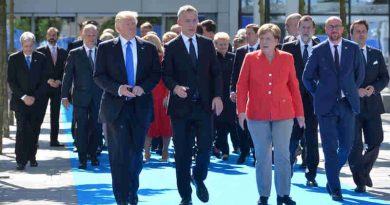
263, 200
286, 199
56, 144
122, 203
337, 196
83, 165
133, 199
241, 159
360, 189
311, 183
95, 161
186, 201
201, 190
33, 163
20, 166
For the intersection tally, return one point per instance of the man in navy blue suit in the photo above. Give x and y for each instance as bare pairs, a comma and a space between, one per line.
127, 69
371, 107
333, 74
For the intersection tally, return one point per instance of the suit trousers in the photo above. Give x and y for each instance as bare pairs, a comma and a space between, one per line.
54, 95
264, 134
310, 136
202, 123
126, 137
337, 133
28, 126
361, 163
222, 130
87, 129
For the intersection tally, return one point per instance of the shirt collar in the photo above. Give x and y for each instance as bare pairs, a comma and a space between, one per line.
255, 46
310, 43
124, 41
87, 49
332, 44
186, 38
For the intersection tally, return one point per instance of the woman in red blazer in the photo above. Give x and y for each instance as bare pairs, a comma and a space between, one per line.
268, 98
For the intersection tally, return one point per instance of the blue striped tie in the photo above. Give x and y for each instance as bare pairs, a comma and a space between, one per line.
28, 60
129, 64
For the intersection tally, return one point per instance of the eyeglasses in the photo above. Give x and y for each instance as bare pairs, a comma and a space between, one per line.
334, 27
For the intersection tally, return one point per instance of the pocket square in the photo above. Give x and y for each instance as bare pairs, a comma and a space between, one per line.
375, 62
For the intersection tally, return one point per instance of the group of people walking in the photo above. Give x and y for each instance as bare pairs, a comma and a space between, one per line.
129, 90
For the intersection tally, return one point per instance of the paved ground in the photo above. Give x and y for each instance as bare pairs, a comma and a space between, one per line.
52, 181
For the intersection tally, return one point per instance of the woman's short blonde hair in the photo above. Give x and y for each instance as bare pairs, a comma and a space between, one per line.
155, 40
270, 27
168, 36
221, 36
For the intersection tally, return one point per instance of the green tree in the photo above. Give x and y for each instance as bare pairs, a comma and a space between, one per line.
302, 7
343, 16
43, 24
3, 56
261, 12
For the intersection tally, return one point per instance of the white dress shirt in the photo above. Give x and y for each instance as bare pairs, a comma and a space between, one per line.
302, 45
93, 52
187, 43
339, 51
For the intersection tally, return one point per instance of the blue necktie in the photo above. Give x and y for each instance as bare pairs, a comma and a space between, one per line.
305, 55
192, 52
28, 60
129, 64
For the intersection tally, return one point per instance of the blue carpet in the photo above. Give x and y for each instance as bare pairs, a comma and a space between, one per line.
228, 183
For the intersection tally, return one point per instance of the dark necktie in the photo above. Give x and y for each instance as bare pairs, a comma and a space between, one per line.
129, 64
91, 59
336, 57
305, 55
251, 49
364, 57
192, 52
28, 61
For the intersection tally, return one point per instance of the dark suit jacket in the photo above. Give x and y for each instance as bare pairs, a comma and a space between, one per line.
23, 81
56, 71
110, 73
238, 60
377, 76
229, 108
78, 71
179, 70
294, 48
322, 79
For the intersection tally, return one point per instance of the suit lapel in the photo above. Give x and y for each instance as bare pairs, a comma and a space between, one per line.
369, 56
140, 54
344, 53
85, 57
200, 56
329, 56
118, 53
299, 53
183, 49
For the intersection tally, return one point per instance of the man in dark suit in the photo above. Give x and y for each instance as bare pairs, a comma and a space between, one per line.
191, 72
301, 50
86, 96
27, 81
333, 74
371, 107
79, 41
55, 58
253, 44
127, 69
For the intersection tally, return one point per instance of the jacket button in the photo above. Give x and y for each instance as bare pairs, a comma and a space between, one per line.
270, 74
269, 83
269, 92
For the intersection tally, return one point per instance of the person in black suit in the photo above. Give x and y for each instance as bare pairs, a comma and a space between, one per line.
127, 69
56, 58
253, 44
301, 50
86, 96
191, 72
371, 107
27, 80
333, 75
225, 123
79, 41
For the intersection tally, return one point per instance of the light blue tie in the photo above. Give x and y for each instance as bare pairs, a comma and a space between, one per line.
28, 60
129, 64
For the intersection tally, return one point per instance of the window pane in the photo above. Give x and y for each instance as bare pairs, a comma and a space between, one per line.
369, 6
325, 6
278, 6
247, 6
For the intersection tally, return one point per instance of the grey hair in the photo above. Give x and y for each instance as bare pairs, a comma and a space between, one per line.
27, 36
186, 8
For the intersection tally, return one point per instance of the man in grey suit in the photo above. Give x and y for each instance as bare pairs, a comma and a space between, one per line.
86, 96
